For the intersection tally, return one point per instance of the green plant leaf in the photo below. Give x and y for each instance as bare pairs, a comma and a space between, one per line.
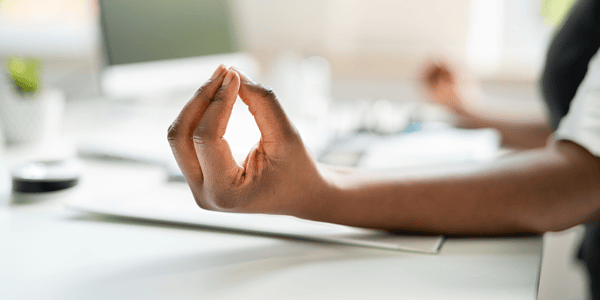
25, 73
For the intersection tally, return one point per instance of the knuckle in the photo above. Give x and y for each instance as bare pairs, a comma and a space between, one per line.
219, 96
173, 133
253, 110
202, 88
267, 92
202, 135
269, 95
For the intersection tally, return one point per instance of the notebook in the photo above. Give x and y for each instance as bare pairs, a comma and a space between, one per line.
173, 203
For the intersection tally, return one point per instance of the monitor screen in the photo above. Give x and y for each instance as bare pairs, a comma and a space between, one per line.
152, 30
153, 48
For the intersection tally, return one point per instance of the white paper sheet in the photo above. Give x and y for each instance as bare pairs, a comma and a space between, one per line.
173, 203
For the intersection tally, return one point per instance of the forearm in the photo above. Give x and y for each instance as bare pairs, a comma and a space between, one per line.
523, 125
524, 193
516, 134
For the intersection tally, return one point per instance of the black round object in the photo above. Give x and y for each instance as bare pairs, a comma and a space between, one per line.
45, 176
38, 186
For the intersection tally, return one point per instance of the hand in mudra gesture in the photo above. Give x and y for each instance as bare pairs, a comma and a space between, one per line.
277, 176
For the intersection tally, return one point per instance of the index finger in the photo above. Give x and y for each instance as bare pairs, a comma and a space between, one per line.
182, 129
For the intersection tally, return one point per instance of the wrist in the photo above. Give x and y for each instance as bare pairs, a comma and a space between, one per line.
321, 199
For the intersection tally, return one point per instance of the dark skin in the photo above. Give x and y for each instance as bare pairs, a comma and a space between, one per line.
441, 83
545, 189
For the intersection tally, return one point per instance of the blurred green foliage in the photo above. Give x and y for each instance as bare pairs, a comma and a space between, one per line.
554, 11
25, 73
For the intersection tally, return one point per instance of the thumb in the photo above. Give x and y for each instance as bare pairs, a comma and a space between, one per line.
272, 121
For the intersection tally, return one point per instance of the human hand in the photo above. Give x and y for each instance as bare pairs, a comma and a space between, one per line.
278, 175
441, 84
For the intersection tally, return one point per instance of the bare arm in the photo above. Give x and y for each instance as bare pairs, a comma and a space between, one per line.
545, 189
517, 134
540, 190
441, 83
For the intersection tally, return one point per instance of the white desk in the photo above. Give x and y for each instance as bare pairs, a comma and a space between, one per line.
47, 252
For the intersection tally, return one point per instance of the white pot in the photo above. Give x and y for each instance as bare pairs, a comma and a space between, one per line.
31, 119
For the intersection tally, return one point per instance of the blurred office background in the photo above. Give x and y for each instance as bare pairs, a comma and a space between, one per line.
372, 49
368, 43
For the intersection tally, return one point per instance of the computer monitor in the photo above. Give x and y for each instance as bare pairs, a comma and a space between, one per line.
156, 47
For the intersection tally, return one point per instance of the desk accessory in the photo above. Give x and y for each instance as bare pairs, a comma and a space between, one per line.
45, 176
29, 112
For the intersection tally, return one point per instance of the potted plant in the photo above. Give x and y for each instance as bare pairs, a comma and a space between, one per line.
29, 112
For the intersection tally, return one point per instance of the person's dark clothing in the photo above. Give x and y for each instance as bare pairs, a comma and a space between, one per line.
566, 65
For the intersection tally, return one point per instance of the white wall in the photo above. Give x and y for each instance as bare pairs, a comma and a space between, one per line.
375, 38
382, 39
64, 29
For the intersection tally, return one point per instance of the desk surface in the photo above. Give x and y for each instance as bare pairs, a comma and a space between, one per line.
48, 252
61, 255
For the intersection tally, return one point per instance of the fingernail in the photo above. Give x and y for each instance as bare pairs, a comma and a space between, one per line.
228, 78
217, 72
243, 76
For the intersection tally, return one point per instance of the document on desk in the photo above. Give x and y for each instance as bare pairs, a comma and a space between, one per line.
432, 146
174, 204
